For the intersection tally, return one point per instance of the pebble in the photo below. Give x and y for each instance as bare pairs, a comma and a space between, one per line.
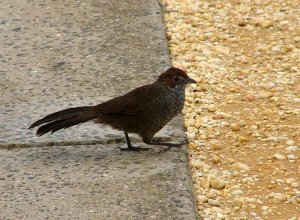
276, 48
279, 157
242, 166
195, 163
268, 85
214, 202
237, 192
243, 139
215, 159
248, 179
280, 197
218, 184
267, 24
290, 180
249, 98
212, 194
265, 208
292, 148
201, 198
291, 157
216, 146
264, 95
251, 200
295, 184
235, 127
205, 182
198, 123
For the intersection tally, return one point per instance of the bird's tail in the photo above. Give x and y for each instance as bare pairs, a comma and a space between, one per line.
64, 119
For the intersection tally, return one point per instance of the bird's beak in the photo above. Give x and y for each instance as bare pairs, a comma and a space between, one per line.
190, 80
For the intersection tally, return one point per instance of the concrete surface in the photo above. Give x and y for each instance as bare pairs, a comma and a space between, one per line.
94, 182
58, 54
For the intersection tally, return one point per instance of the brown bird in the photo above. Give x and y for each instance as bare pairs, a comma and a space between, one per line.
144, 110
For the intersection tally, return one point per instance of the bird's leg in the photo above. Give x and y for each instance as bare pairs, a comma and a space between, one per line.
128, 140
130, 147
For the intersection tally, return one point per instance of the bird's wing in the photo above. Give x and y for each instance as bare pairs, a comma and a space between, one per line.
131, 103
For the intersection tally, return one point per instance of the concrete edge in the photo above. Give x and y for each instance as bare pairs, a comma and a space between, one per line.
185, 149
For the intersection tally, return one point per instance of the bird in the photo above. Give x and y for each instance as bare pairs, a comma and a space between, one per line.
143, 111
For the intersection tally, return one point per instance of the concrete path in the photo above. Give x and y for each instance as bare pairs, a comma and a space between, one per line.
58, 54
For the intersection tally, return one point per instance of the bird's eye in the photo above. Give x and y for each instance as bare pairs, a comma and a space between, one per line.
176, 78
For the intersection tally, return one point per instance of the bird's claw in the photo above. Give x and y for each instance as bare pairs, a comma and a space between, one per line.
136, 149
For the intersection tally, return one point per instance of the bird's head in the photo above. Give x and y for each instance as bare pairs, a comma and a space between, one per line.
175, 78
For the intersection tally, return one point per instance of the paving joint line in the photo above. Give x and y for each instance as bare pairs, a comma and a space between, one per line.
10, 146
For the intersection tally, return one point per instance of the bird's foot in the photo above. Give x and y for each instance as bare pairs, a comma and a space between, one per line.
170, 145
157, 141
136, 149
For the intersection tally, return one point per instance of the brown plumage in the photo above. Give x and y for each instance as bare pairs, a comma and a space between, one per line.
144, 110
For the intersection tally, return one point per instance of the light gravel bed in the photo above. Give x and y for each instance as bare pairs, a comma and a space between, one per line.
243, 117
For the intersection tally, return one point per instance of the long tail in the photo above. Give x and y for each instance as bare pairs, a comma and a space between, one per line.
64, 119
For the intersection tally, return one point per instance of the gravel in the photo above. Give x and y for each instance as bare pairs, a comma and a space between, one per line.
242, 117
